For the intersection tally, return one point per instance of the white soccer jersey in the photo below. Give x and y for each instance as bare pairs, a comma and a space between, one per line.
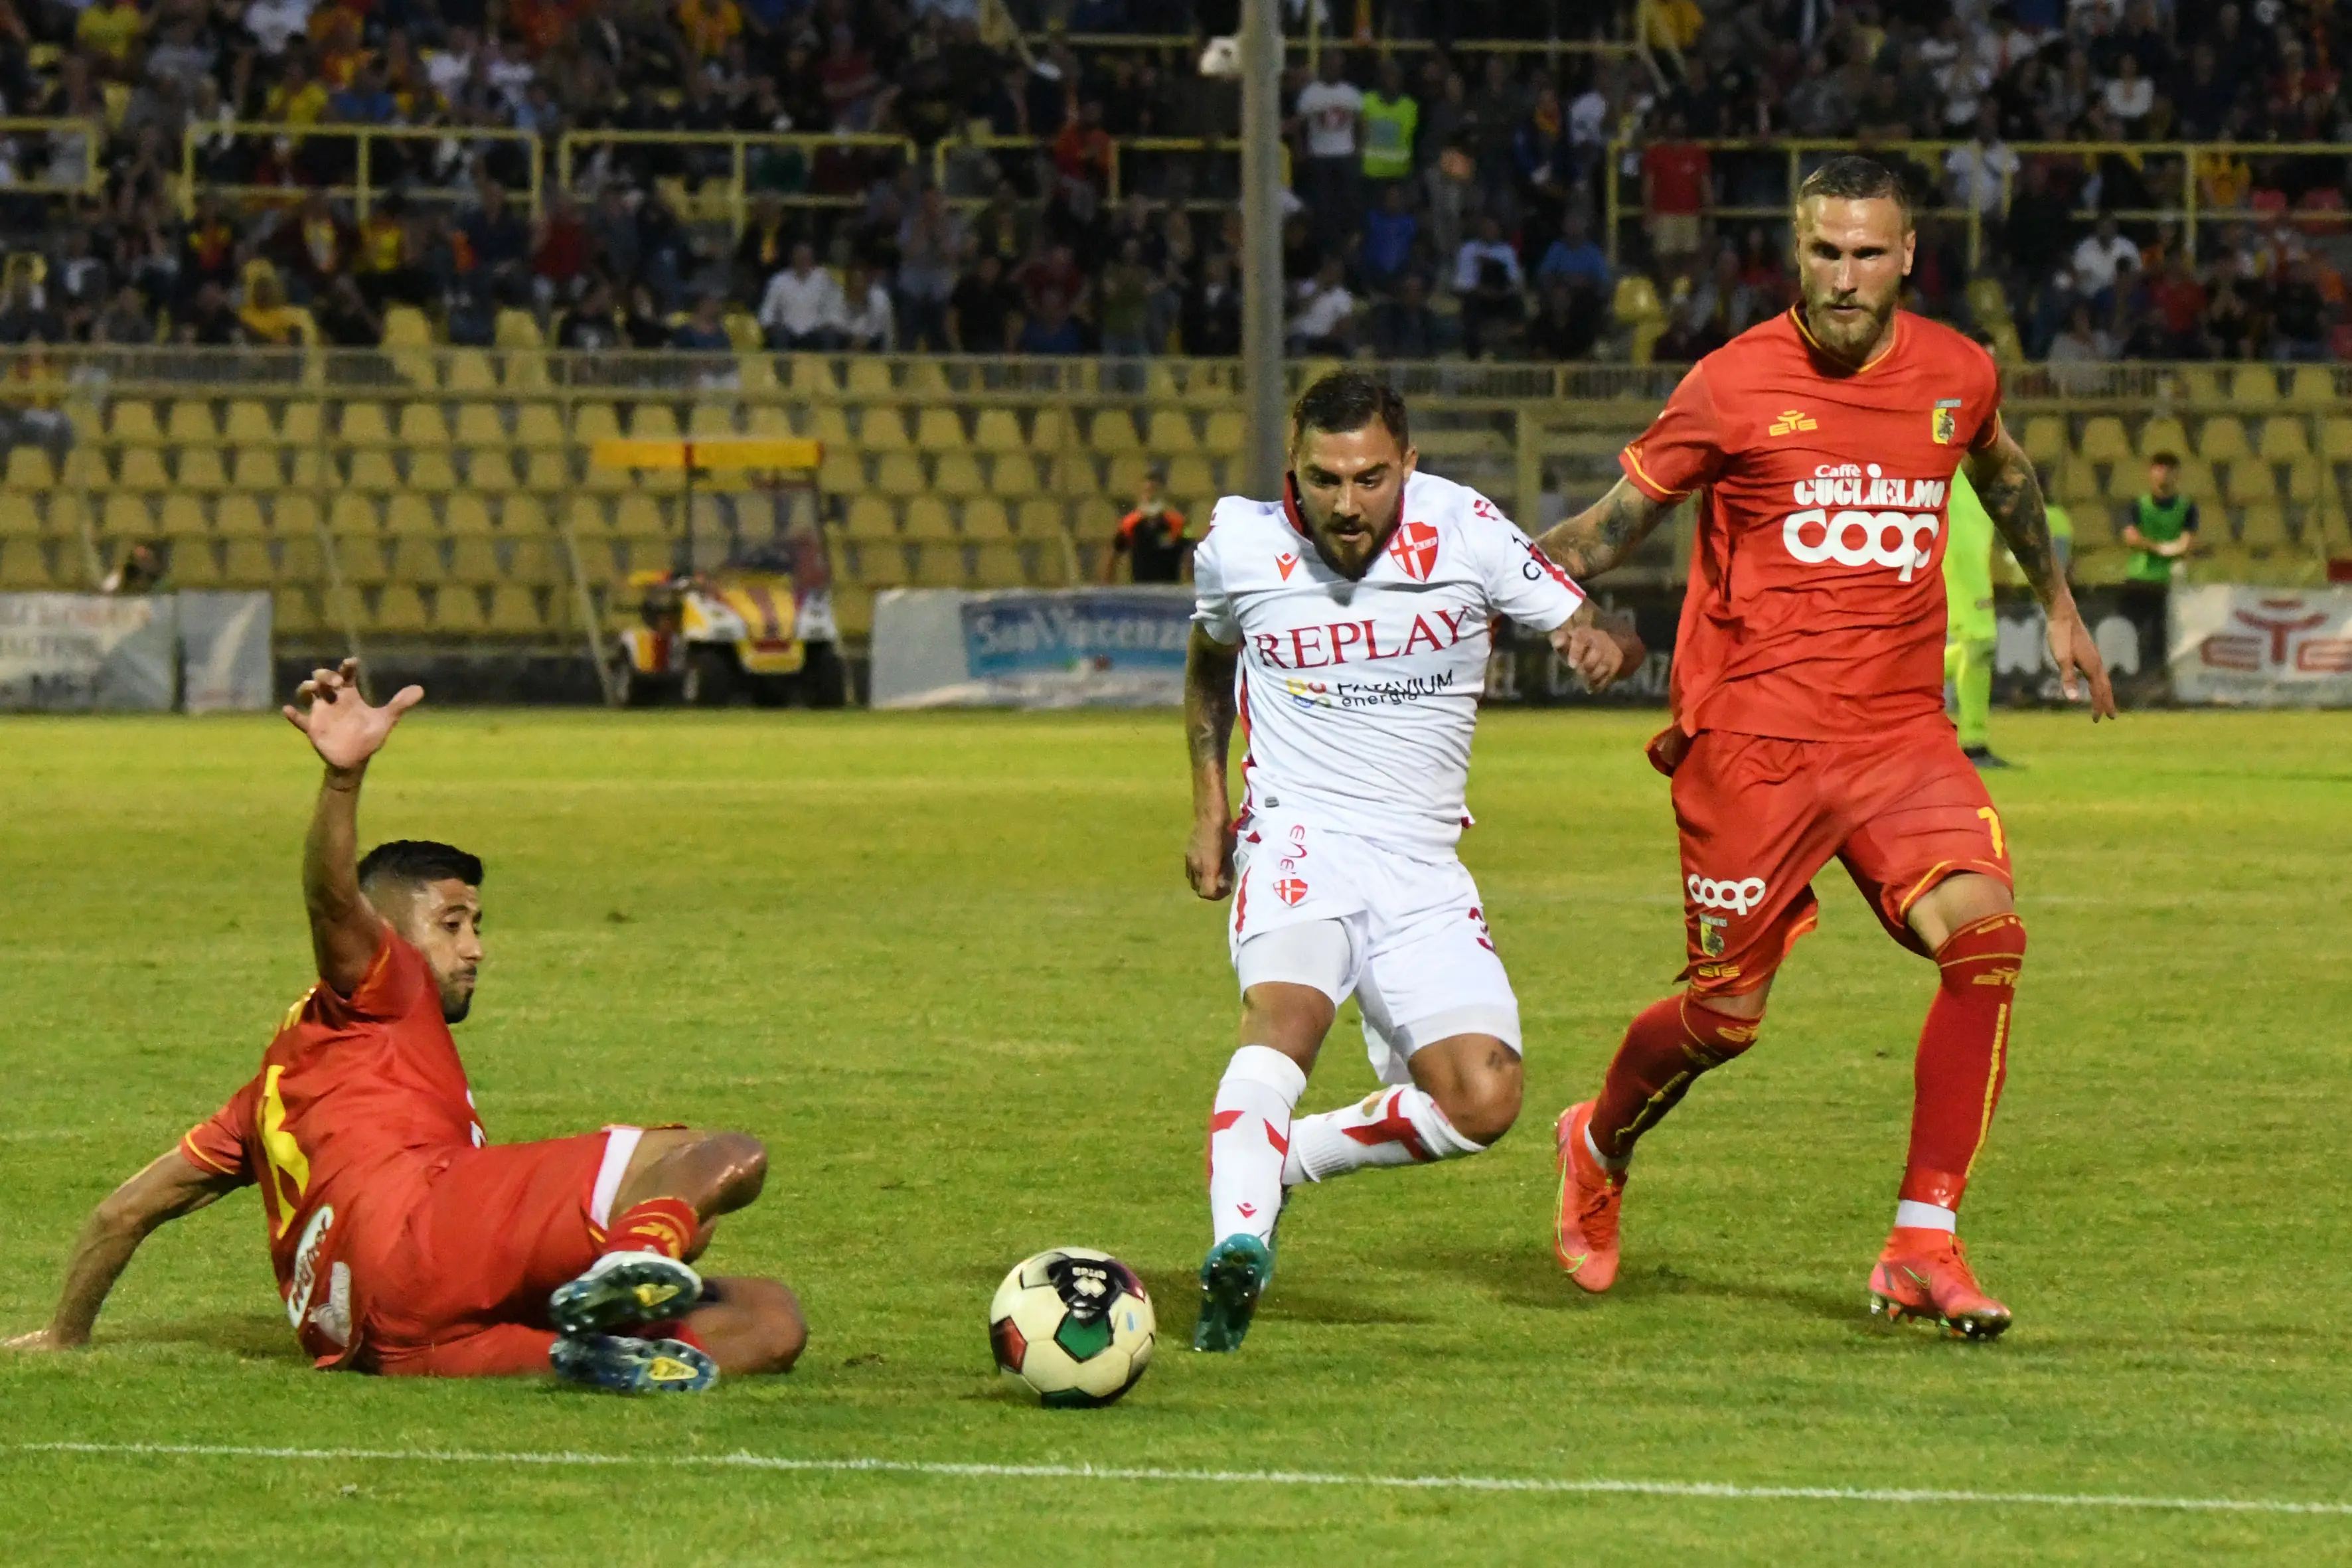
1360, 696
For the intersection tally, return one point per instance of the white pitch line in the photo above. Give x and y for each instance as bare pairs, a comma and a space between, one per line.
1719, 1491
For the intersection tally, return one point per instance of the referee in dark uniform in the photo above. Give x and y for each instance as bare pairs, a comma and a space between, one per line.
1151, 537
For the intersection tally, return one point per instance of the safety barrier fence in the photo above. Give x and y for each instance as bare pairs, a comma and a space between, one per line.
365, 182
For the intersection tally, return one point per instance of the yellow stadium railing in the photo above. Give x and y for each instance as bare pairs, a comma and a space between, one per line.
2199, 161
741, 184
945, 150
1605, 47
60, 132
365, 190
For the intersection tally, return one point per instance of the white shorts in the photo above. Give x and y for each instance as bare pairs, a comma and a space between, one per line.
1406, 936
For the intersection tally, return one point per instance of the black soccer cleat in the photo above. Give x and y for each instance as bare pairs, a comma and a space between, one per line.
627, 1365
624, 1290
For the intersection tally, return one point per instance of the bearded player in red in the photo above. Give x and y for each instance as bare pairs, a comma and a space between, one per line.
1809, 715
402, 1242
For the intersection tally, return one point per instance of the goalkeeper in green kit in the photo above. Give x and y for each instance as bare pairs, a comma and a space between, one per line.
1971, 636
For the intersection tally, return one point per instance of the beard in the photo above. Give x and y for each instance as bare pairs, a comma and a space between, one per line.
455, 1004
1848, 334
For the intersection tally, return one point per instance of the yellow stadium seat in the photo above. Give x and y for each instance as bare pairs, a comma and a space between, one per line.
431, 471
521, 514
939, 430
143, 468
1113, 430
397, 610
707, 419
470, 369
939, 566
771, 422
1014, 476
303, 468
639, 514
926, 378
200, 469
300, 422
927, 519
538, 425
2200, 387
593, 422
294, 514
245, 563
489, 469
2285, 437
194, 563
755, 370
546, 472
2164, 433
353, 516
1043, 519
997, 430
407, 513
191, 419
1224, 432
869, 376
121, 512
1193, 477
257, 468
133, 419
249, 421
812, 375
423, 424
829, 425
2312, 386
853, 610
474, 559
87, 469
478, 425
29, 469
467, 512
23, 565
239, 516
2250, 483
958, 474
2104, 441
840, 471
898, 474
2304, 479
1125, 476
1075, 476
535, 560
881, 565
364, 561
986, 519
2223, 439
419, 558
883, 428
2254, 387
2045, 438
365, 424
998, 566
514, 612
182, 517
870, 517
1049, 430
2261, 525
20, 516
1168, 431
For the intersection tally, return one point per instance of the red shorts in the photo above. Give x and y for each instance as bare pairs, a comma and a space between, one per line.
460, 1289
1759, 816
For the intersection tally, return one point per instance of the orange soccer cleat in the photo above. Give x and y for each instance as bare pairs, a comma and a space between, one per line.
1924, 1274
1585, 1240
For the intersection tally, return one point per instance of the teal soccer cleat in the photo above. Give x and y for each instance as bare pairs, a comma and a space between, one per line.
621, 1290
627, 1366
1234, 1275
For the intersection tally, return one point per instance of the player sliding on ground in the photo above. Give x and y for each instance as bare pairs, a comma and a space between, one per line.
1348, 625
402, 1242
1808, 712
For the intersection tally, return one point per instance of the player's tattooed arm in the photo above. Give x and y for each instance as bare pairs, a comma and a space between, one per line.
345, 731
166, 1190
1605, 533
2011, 493
2005, 482
1209, 714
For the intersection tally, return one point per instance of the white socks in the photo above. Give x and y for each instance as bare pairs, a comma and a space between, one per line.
1909, 1216
1394, 1127
1249, 1136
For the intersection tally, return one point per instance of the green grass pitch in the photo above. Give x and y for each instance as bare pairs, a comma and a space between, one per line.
948, 967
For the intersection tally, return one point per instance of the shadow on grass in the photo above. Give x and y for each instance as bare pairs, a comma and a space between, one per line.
1533, 1280
260, 1336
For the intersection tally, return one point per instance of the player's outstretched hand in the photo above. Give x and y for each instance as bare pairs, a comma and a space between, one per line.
2076, 656
342, 728
1208, 859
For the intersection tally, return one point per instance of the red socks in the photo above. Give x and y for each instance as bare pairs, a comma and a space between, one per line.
666, 1225
1670, 1044
1963, 1057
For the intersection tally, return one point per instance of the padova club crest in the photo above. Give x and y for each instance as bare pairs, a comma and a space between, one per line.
1415, 548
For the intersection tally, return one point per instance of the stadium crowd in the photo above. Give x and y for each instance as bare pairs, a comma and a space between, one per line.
1442, 201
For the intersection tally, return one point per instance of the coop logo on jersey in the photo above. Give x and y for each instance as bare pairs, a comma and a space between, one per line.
1413, 547
1944, 420
1879, 520
1793, 420
1738, 897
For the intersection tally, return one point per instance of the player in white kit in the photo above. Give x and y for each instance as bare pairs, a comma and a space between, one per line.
1348, 625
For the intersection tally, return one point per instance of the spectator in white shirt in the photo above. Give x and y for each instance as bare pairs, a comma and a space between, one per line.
1976, 171
1330, 107
870, 327
448, 69
1489, 246
2100, 259
2130, 95
273, 22
1326, 320
803, 307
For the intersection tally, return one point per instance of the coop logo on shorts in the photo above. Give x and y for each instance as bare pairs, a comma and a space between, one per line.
1738, 897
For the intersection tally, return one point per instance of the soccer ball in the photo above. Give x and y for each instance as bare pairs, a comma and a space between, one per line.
1220, 57
1074, 1324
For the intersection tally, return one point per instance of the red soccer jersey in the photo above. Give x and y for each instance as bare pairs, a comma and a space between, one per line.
1815, 608
354, 1097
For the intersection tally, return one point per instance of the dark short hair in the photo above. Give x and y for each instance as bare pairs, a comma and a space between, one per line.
1851, 177
413, 862
1348, 399
2164, 459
